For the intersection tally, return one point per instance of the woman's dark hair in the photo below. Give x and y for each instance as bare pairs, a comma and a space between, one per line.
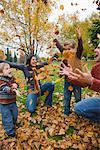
29, 59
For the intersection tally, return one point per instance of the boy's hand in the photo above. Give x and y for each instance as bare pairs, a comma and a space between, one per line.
65, 70
14, 86
17, 92
78, 32
54, 41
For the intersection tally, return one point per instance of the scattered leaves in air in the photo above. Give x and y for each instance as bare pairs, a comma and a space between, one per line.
74, 4
56, 30
71, 4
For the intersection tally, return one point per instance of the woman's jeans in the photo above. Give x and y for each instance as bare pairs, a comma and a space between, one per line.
32, 98
89, 108
68, 89
9, 117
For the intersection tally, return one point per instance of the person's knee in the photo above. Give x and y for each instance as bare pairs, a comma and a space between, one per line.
30, 106
78, 108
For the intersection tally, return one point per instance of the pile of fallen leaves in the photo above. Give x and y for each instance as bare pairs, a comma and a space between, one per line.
50, 129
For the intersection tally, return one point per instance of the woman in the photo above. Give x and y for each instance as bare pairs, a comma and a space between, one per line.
30, 73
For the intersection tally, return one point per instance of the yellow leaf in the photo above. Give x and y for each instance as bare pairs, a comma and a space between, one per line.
58, 80
62, 7
70, 88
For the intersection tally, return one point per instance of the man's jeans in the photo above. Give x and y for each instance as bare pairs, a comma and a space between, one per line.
9, 117
32, 98
89, 108
68, 89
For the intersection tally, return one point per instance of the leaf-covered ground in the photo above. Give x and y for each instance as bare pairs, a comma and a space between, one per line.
49, 128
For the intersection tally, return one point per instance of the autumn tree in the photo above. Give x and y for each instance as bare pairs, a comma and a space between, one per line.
94, 31
24, 23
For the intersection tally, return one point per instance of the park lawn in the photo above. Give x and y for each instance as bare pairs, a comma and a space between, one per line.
49, 128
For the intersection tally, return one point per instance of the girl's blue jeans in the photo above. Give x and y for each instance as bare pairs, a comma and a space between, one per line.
31, 101
89, 108
70, 88
9, 117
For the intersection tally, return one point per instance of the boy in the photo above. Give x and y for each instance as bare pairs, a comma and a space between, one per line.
73, 57
8, 105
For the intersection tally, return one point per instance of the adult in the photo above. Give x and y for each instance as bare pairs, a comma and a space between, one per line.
89, 107
35, 88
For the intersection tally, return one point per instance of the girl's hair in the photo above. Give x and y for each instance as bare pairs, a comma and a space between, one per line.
71, 43
29, 59
2, 65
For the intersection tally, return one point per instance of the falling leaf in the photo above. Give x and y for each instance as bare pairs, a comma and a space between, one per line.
71, 4
46, 93
70, 88
83, 9
62, 7
56, 32
1, 11
76, 4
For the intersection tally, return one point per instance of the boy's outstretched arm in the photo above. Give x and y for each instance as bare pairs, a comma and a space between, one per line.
17, 66
58, 45
80, 44
13, 65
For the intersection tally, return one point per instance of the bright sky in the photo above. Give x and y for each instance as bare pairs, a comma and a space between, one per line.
69, 9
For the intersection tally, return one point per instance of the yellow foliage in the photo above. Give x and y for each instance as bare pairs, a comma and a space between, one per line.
2, 56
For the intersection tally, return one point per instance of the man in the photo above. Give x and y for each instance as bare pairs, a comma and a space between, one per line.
89, 107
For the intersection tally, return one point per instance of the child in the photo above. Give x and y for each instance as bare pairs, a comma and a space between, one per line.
8, 105
73, 57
